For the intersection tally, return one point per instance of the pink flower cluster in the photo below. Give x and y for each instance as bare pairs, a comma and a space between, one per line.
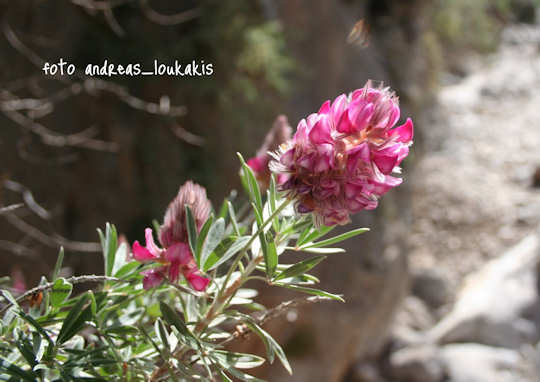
175, 257
280, 133
340, 159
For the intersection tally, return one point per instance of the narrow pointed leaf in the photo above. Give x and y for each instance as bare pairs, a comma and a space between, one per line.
312, 291
337, 239
215, 235
233, 250
192, 232
58, 265
300, 268
60, 292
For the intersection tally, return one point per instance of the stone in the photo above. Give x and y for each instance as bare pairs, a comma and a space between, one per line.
491, 307
421, 363
431, 286
479, 363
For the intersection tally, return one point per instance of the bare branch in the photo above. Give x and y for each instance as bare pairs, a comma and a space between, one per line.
17, 249
54, 241
4, 210
113, 23
270, 314
161, 19
28, 198
100, 5
186, 136
72, 280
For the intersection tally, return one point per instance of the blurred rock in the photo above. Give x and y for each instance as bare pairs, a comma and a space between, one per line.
421, 363
364, 372
479, 363
489, 310
431, 286
414, 314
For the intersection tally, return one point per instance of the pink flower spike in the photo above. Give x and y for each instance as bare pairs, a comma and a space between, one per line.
404, 132
152, 277
142, 254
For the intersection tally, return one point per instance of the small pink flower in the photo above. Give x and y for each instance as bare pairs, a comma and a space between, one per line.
280, 133
175, 256
340, 159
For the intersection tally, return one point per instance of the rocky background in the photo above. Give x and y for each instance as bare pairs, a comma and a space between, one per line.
443, 288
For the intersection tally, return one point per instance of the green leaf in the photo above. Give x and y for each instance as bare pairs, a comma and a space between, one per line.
127, 269
224, 377
93, 303
192, 232
312, 291
215, 235
336, 239
232, 215
120, 258
9, 297
300, 268
60, 292
74, 320
202, 234
269, 254
229, 359
231, 251
162, 334
271, 260
254, 191
58, 265
15, 371
311, 234
109, 246
174, 319
326, 251
243, 376
272, 347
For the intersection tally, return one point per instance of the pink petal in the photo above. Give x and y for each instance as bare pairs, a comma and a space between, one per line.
152, 278
321, 132
301, 134
256, 164
174, 271
150, 245
404, 132
360, 152
325, 108
385, 163
142, 254
179, 252
338, 107
345, 125
394, 116
287, 157
197, 282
